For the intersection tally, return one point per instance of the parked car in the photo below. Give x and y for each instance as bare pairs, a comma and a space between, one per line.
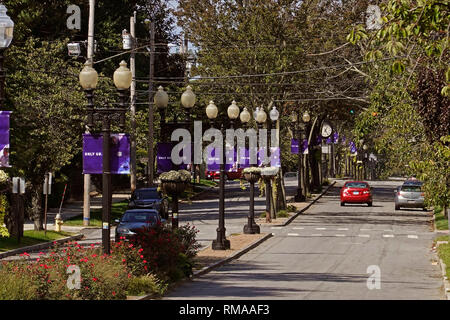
356, 192
410, 195
135, 220
149, 198
229, 175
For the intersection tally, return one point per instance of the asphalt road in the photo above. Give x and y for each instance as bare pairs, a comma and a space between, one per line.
204, 212
325, 254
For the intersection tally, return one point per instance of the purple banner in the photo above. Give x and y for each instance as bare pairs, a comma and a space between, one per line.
335, 137
163, 157
294, 146
93, 153
213, 162
4, 138
352, 147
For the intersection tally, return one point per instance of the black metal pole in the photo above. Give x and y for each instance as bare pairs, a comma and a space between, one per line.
221, 243
175, 211
2, 79
106, 185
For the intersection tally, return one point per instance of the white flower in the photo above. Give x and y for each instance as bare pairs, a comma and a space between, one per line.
3, 176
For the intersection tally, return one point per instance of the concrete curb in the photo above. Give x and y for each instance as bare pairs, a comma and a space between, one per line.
305, 208
232, 257
40, 246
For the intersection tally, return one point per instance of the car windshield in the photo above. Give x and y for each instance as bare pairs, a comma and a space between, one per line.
148, 217
411, 188
357, 185
146, 194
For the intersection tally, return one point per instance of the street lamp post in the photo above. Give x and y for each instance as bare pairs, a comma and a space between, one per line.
122, 81
273, 115
299, 131
6, 36
251, 227
221, 242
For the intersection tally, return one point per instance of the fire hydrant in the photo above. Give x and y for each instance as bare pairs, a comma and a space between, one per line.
58, 223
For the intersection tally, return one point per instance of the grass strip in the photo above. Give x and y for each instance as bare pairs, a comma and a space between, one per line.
31, 237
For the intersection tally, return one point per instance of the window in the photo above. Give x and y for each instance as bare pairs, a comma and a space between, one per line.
146, 217
411, 188
360, 185
147, 194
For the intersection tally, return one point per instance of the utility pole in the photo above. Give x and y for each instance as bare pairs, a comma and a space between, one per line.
90, 57
150, 105
133, 103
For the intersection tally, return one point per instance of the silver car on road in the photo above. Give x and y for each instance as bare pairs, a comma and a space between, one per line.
410, 195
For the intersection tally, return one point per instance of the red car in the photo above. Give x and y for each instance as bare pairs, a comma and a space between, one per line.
356, 192
230, 175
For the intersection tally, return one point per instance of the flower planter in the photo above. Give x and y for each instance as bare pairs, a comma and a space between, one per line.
173, 187
251, 177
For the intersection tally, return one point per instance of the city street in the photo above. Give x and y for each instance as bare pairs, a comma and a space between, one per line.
325, 253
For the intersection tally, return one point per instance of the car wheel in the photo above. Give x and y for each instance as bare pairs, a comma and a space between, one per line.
369, 204
342, 204
397, 207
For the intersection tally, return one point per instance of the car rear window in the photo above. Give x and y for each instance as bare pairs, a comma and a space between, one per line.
139, 217
411, 188
356, 185
147, 194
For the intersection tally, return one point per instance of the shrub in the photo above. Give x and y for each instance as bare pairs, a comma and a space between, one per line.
147, 284
168, 253
291, 208
282, 214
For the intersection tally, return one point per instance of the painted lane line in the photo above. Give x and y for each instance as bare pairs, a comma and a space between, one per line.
363, 235
277, 228
342, 229
340, 235
293, 234
388, 235
316, 235
412, 236
298, 228
321, 228
365, 229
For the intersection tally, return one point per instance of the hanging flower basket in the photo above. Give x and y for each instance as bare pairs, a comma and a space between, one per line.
252, 174
268, 173
175, 182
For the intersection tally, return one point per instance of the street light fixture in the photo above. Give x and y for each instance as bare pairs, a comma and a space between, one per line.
245, 116
306, 117
88, 81
6, 37
221, 242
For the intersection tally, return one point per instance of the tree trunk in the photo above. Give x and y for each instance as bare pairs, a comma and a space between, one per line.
37, 214
281, 192
314, 164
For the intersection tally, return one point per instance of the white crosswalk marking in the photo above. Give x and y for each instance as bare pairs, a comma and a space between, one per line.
412, 236
293, 234
364, 235
321, 228
388, 235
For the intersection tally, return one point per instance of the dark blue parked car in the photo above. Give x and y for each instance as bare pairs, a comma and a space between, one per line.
135, 220
149, 198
